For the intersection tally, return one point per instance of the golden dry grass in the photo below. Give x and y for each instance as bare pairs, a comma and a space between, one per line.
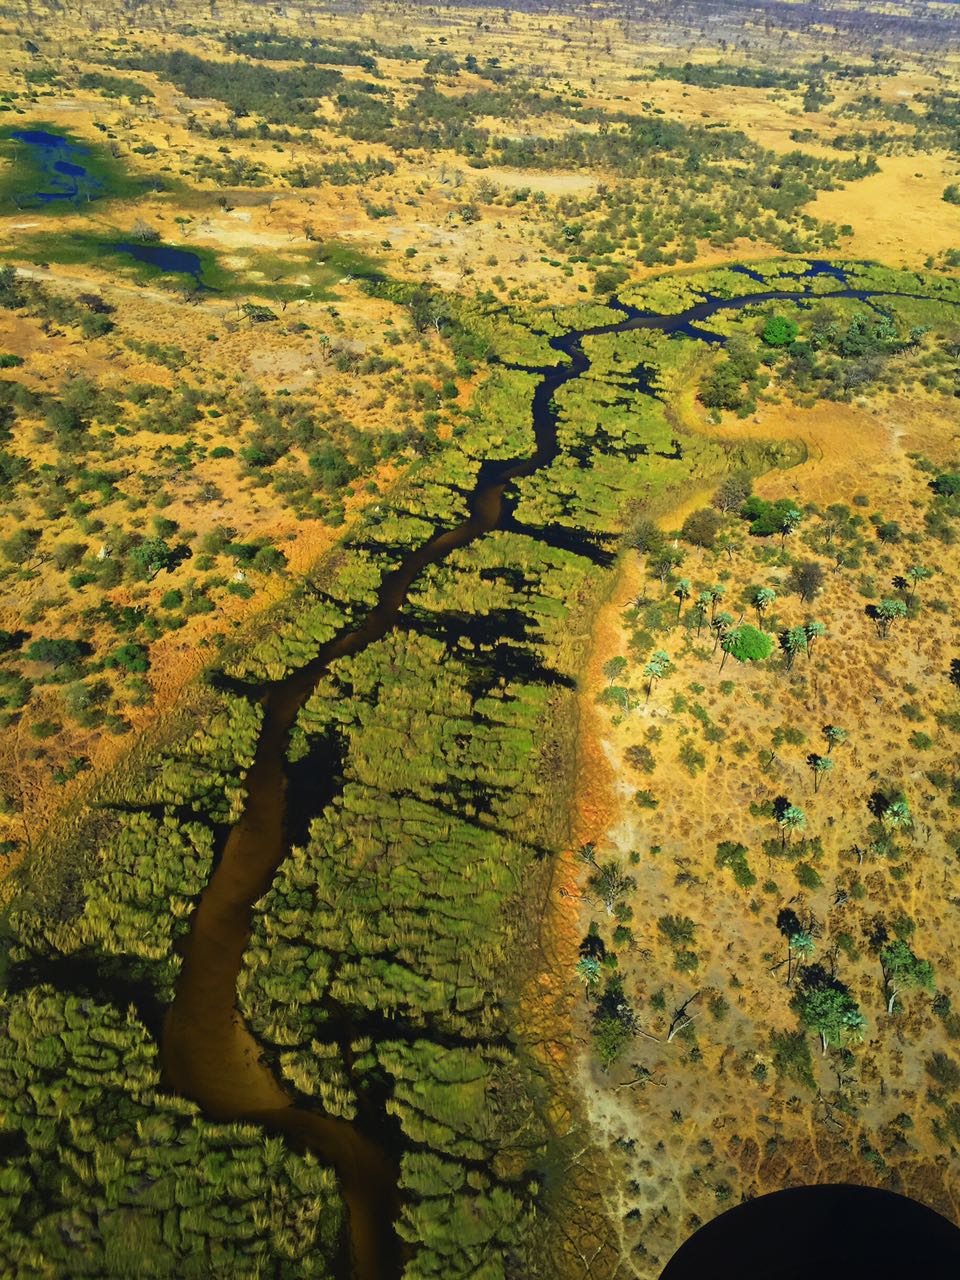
717, 1124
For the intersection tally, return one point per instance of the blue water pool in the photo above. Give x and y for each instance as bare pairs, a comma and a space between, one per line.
56, 159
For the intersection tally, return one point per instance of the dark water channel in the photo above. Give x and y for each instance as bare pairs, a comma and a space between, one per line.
208, 1053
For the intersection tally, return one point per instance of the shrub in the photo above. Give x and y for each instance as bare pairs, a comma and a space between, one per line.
791, 1057
733, 855
678, 930
807, 876
946, 484
44, 729
779, 332
57, 652
641, 757
701, 527
129, 657
942, 1068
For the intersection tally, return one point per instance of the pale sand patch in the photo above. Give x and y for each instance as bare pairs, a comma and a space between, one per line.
898, 215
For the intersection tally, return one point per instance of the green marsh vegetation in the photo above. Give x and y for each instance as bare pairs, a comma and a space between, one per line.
382, 966
428, 775
23, 174
280, 278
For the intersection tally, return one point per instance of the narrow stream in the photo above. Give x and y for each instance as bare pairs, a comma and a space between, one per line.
208, 1053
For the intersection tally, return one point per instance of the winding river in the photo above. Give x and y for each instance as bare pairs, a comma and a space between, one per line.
208, 1053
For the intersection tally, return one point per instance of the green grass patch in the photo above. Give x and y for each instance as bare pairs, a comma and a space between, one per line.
26, 171
266, 275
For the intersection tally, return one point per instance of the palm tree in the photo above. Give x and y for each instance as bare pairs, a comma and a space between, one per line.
588, 970
789, 523
716, 594
762, 598
799, 946
917, 573
792, 642
700, 606
656, 669
814, 630
885, 614
720, 624
834, 735
682, 592
820, 765
790, 819
897, 814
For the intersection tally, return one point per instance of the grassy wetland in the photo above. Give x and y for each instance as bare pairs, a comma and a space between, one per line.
479, 666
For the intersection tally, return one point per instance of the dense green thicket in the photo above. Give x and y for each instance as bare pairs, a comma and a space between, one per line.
835, 348
271, 46
286, 96
114, 1177
713, 75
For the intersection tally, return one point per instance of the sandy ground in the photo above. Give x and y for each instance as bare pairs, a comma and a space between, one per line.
898, 215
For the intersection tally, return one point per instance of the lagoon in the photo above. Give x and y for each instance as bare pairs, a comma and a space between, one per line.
55, 163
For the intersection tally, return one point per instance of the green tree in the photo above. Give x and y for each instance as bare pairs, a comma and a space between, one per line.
129, 657
151, 557
821, 766
779, 331
746, 644
762, 598
614, 1023
664, 563
269, 560
21, 546
658, 666
826, 1006
610, 882
614, 668
57, 652
902, 969
834, 735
